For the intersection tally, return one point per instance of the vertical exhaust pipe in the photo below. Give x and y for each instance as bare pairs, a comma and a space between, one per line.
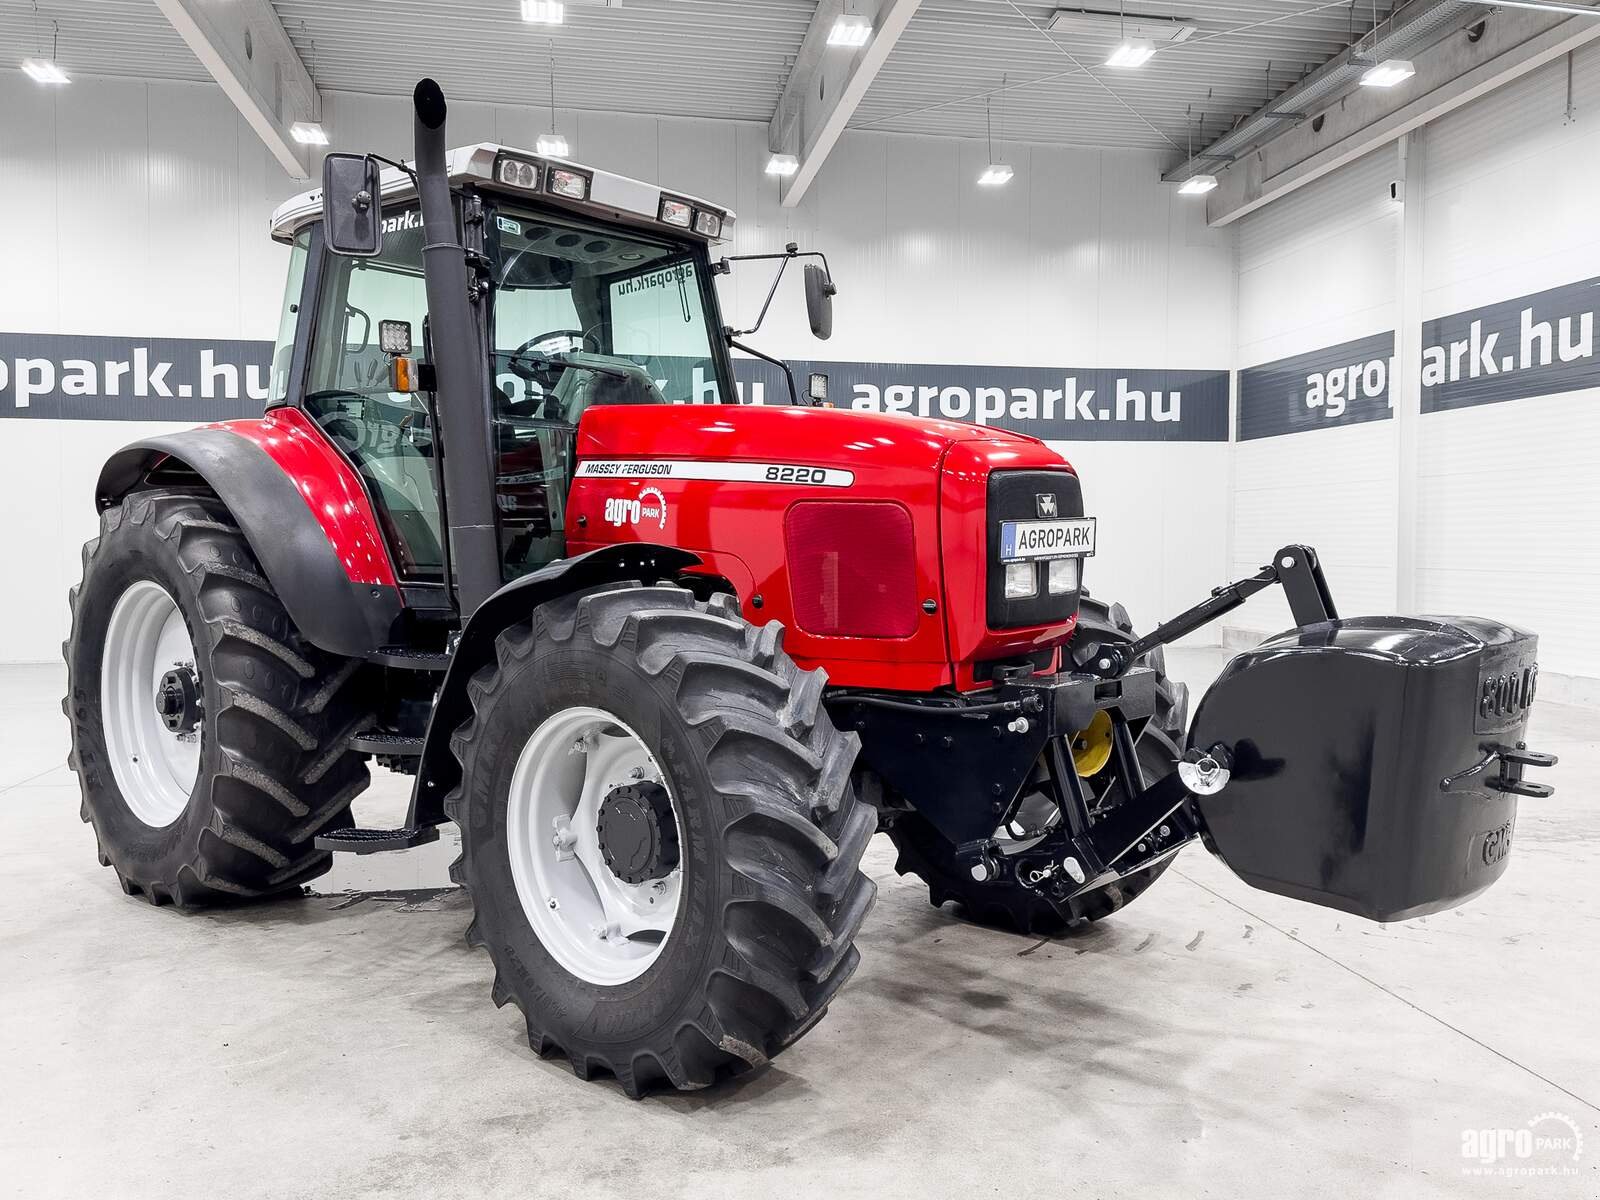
462, 400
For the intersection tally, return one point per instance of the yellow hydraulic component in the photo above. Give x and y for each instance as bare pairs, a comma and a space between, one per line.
1091, 746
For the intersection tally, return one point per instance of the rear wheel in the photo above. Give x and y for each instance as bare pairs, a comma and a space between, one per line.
207, 736
659, 836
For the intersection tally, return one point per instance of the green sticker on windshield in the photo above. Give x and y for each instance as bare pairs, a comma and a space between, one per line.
507, 225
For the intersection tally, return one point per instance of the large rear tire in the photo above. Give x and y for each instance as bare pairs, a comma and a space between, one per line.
174, 606
638, 708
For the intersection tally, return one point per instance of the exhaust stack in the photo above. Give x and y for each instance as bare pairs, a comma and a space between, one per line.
461, 401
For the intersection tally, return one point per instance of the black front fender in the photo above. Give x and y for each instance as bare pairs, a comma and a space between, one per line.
331, 611
439, 772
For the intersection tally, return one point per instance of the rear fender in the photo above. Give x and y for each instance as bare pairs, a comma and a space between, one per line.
329, 565
438, 771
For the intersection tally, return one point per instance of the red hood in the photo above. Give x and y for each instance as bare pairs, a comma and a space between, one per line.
779, 433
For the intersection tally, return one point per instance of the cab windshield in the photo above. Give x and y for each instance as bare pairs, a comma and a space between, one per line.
592, 315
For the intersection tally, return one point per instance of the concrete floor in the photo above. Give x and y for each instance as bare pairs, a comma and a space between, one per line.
1210, 1040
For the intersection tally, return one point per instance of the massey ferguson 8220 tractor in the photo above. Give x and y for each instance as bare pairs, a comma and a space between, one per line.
670, 661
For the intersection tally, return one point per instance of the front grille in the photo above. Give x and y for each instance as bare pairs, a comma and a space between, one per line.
1016, 496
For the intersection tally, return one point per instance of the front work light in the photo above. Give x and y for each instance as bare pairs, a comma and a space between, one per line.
675, 212
1062, 575
707, 224
1022, 581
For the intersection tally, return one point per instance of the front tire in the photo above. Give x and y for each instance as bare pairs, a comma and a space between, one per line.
173, 603
689, 703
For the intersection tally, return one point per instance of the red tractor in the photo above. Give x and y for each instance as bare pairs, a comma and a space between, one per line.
669, 661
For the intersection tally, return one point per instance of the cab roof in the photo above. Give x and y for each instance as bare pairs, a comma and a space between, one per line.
614, 196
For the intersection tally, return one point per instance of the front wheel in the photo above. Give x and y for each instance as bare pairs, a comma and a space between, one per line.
659, 836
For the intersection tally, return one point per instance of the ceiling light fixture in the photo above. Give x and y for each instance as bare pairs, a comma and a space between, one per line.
850, 31
1197, 185
996, 174
782, 165
1131, 53
1388, 73
309, 133
44, 71
544, 12
552, 144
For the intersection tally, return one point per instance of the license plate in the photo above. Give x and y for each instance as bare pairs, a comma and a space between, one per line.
1068, 538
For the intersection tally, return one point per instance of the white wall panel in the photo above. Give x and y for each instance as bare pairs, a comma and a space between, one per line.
1507, 497
1316, 269
129, 208
1510, 211
141, 208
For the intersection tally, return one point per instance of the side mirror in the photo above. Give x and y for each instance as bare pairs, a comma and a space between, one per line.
352, 205
819, 301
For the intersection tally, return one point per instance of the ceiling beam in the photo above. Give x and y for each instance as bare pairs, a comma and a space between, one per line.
248, 52
827, 84
1449, 74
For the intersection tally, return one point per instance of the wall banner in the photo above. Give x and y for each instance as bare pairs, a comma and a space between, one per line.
1346, 384
74, 377
1072, 404
1534, 345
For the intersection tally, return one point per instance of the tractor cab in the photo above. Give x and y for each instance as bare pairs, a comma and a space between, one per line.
598, 291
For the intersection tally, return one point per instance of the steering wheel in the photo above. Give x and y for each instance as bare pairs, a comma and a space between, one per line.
545, 369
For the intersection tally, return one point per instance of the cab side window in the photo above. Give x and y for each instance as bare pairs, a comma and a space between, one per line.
388, 435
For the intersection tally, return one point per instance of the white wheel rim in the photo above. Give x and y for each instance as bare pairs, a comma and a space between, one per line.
599, 927
155, 768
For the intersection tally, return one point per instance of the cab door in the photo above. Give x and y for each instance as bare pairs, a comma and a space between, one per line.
387, 435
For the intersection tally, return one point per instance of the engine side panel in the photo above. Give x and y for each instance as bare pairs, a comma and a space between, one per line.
642, 478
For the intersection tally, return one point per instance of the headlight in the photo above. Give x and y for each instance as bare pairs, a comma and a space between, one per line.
1022, 580
1063, 575
707, 224
675, 212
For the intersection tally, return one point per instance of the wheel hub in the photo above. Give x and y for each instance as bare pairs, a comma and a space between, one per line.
178, 699
567, 862
638, 836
